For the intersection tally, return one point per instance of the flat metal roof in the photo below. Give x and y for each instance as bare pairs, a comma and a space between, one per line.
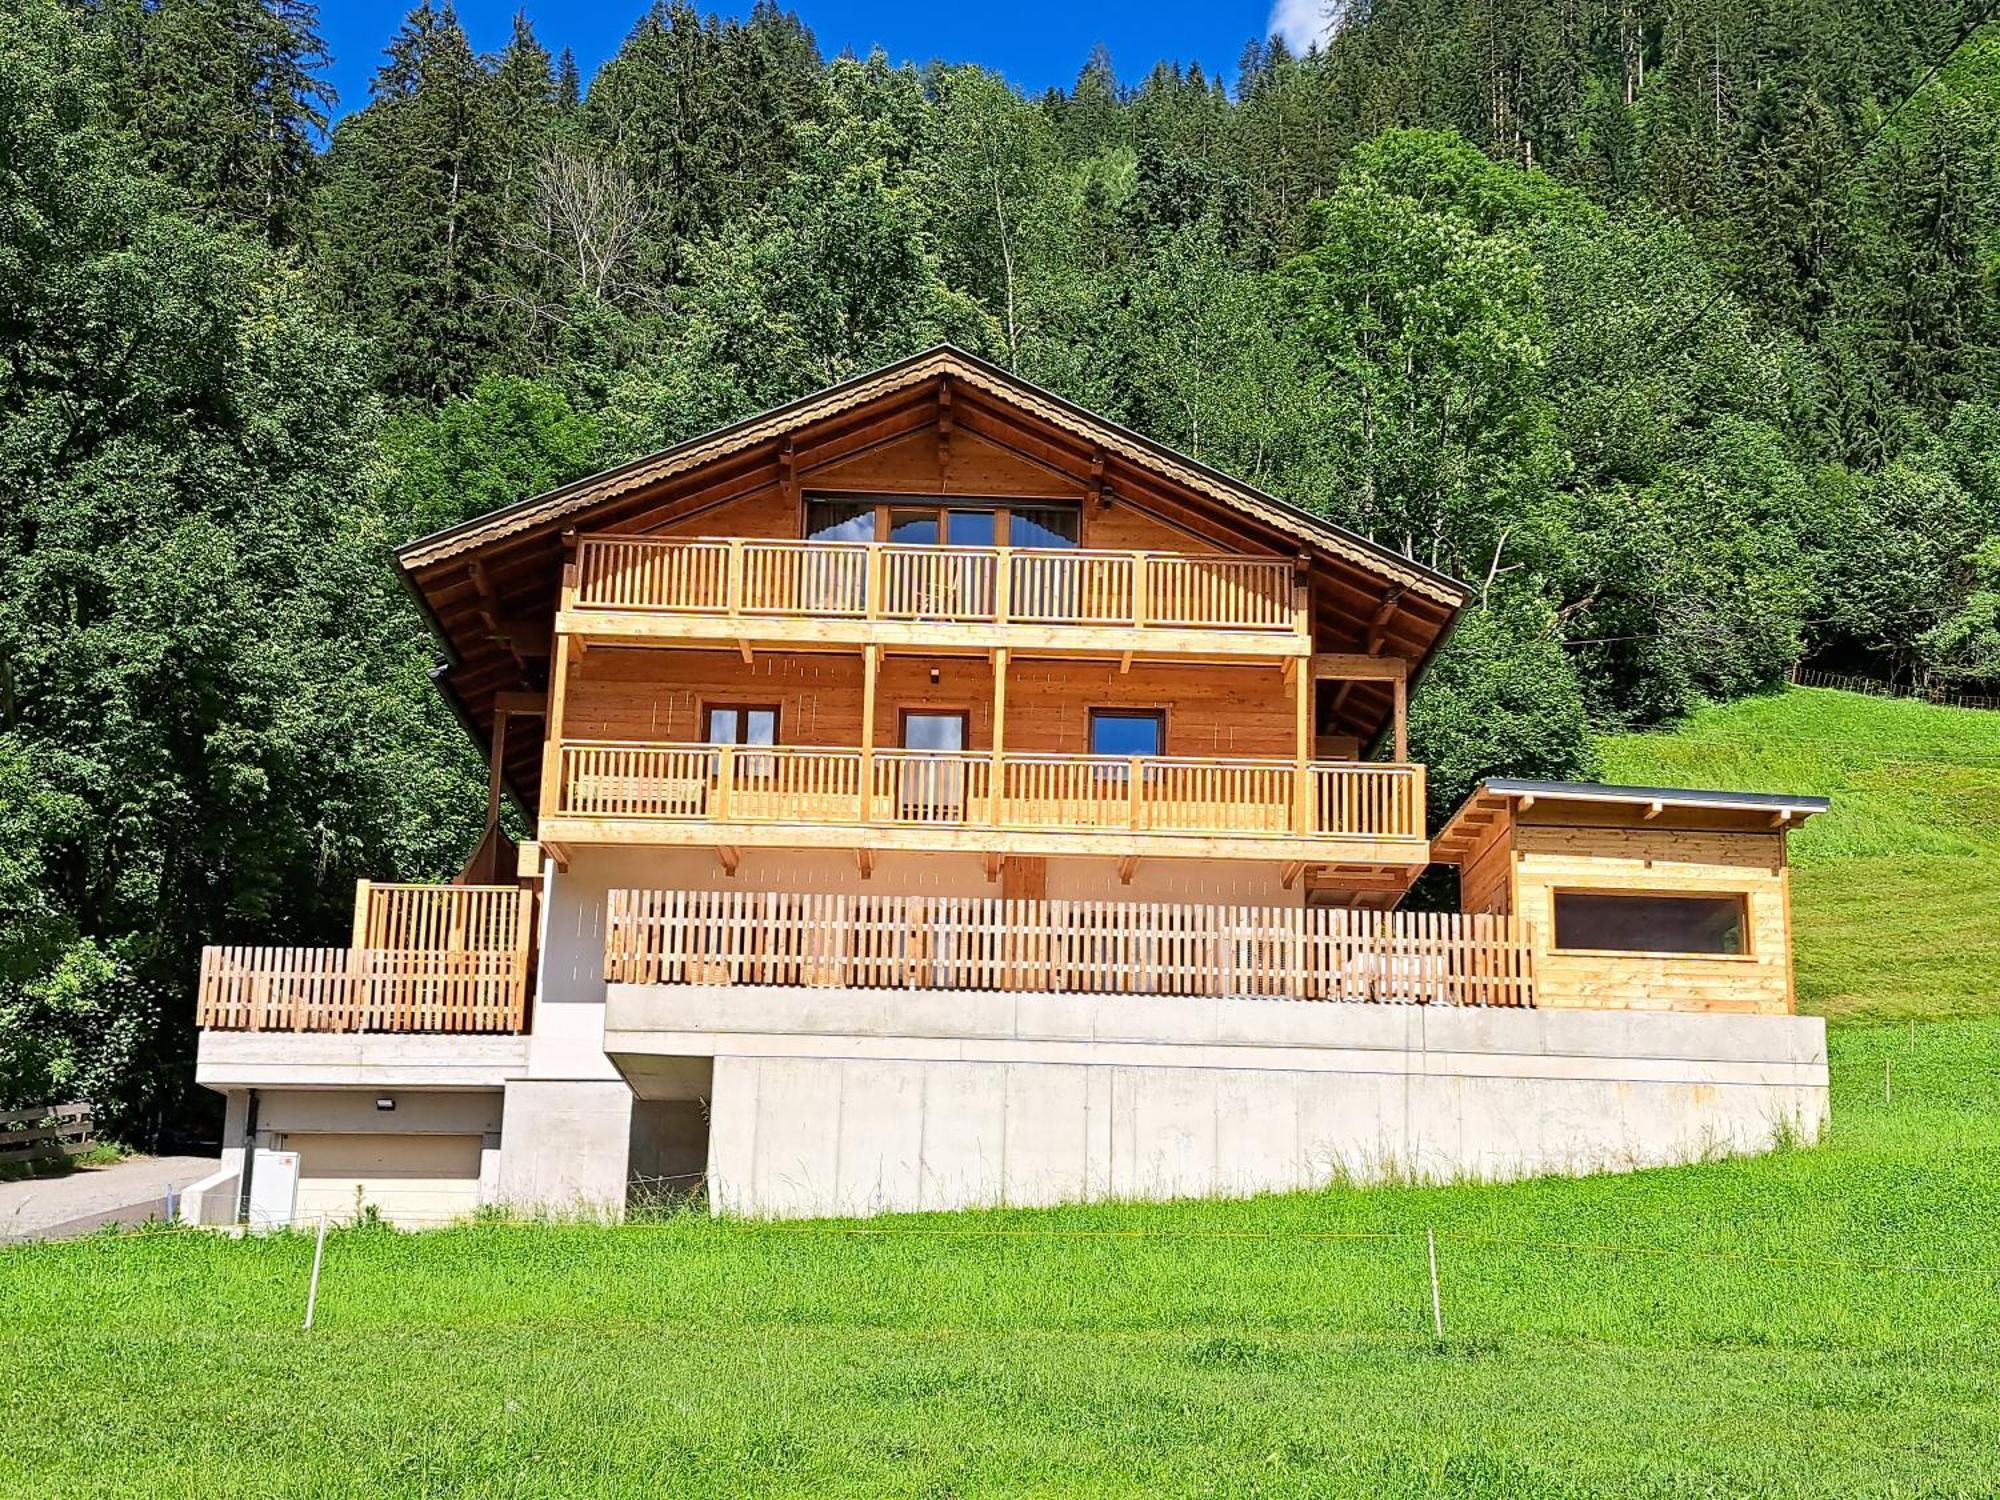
1671, 796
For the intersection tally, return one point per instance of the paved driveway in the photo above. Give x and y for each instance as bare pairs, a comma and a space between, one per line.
127, 1192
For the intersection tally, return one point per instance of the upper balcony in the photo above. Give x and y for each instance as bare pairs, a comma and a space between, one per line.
642, 589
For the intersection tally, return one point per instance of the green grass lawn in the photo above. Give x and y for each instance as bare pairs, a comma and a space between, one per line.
1812, 1323
1896, 890
1758, 1333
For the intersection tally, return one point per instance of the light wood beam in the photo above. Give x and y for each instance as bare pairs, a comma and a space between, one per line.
495, 763
999, 723
1352, 666
871, 666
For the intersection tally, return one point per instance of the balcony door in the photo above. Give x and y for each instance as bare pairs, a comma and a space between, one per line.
745, 724
1127, 734
931, 787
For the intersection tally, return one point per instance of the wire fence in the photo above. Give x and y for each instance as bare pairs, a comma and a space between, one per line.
1874, 687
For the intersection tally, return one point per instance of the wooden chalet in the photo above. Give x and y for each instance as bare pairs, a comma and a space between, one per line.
933, 682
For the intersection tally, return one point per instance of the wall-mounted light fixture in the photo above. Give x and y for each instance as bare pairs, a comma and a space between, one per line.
385, 1103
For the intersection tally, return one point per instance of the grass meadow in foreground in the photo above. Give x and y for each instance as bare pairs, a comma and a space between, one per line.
1737, 1328
1896, 889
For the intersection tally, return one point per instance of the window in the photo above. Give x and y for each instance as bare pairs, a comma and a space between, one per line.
840, 520
1128, 731
1039, 528
742, 724
1643, 923
965, 523
931, 729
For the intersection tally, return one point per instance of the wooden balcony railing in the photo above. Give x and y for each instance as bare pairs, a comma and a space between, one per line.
426, 958
1081, 947
920, 788
972, 585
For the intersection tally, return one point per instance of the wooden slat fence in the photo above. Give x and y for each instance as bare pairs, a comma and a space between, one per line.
362, 989
890, 581
1077, 947
437, 958
45, 1132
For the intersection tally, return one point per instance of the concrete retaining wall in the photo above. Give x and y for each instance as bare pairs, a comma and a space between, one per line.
858, 1102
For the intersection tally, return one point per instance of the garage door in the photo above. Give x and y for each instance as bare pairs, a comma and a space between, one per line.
411, 1180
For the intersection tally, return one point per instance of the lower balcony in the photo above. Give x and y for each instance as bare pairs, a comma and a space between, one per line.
444, 959
791, 939
1013, 803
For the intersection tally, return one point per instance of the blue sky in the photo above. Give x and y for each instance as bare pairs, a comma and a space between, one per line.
1035, 43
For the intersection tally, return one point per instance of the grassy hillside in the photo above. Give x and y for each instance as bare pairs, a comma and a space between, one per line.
1746, 1327
1897, 889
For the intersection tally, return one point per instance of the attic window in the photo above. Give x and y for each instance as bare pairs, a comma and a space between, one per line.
1642, 922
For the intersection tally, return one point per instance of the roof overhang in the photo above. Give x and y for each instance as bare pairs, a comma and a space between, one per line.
1695, 808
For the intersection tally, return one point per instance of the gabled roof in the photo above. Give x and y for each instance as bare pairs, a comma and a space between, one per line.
489, 584
568, 502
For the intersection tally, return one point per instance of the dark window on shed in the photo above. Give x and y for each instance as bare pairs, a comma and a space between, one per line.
1641, 922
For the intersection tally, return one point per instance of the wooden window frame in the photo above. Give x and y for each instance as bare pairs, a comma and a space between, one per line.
944, 711
1003, 507
775, 710
1120, 711
1743, 906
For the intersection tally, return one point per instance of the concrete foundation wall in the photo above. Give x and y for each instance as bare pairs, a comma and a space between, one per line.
568, 1146
832, 1102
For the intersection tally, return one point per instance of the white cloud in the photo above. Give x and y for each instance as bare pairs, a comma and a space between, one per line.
1303, 22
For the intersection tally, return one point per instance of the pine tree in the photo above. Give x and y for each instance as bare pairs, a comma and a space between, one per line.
413, 214
1922, 290
1793, 190
227, 101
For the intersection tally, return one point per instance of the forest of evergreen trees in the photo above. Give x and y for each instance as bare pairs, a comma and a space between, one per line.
1668, 324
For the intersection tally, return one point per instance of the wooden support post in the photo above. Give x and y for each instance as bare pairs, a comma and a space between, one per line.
995, 793
871, 663
495, 761
1127, 868
1401, 687
1003, 584
735, 583
1302, 689
552, 729
361, 934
